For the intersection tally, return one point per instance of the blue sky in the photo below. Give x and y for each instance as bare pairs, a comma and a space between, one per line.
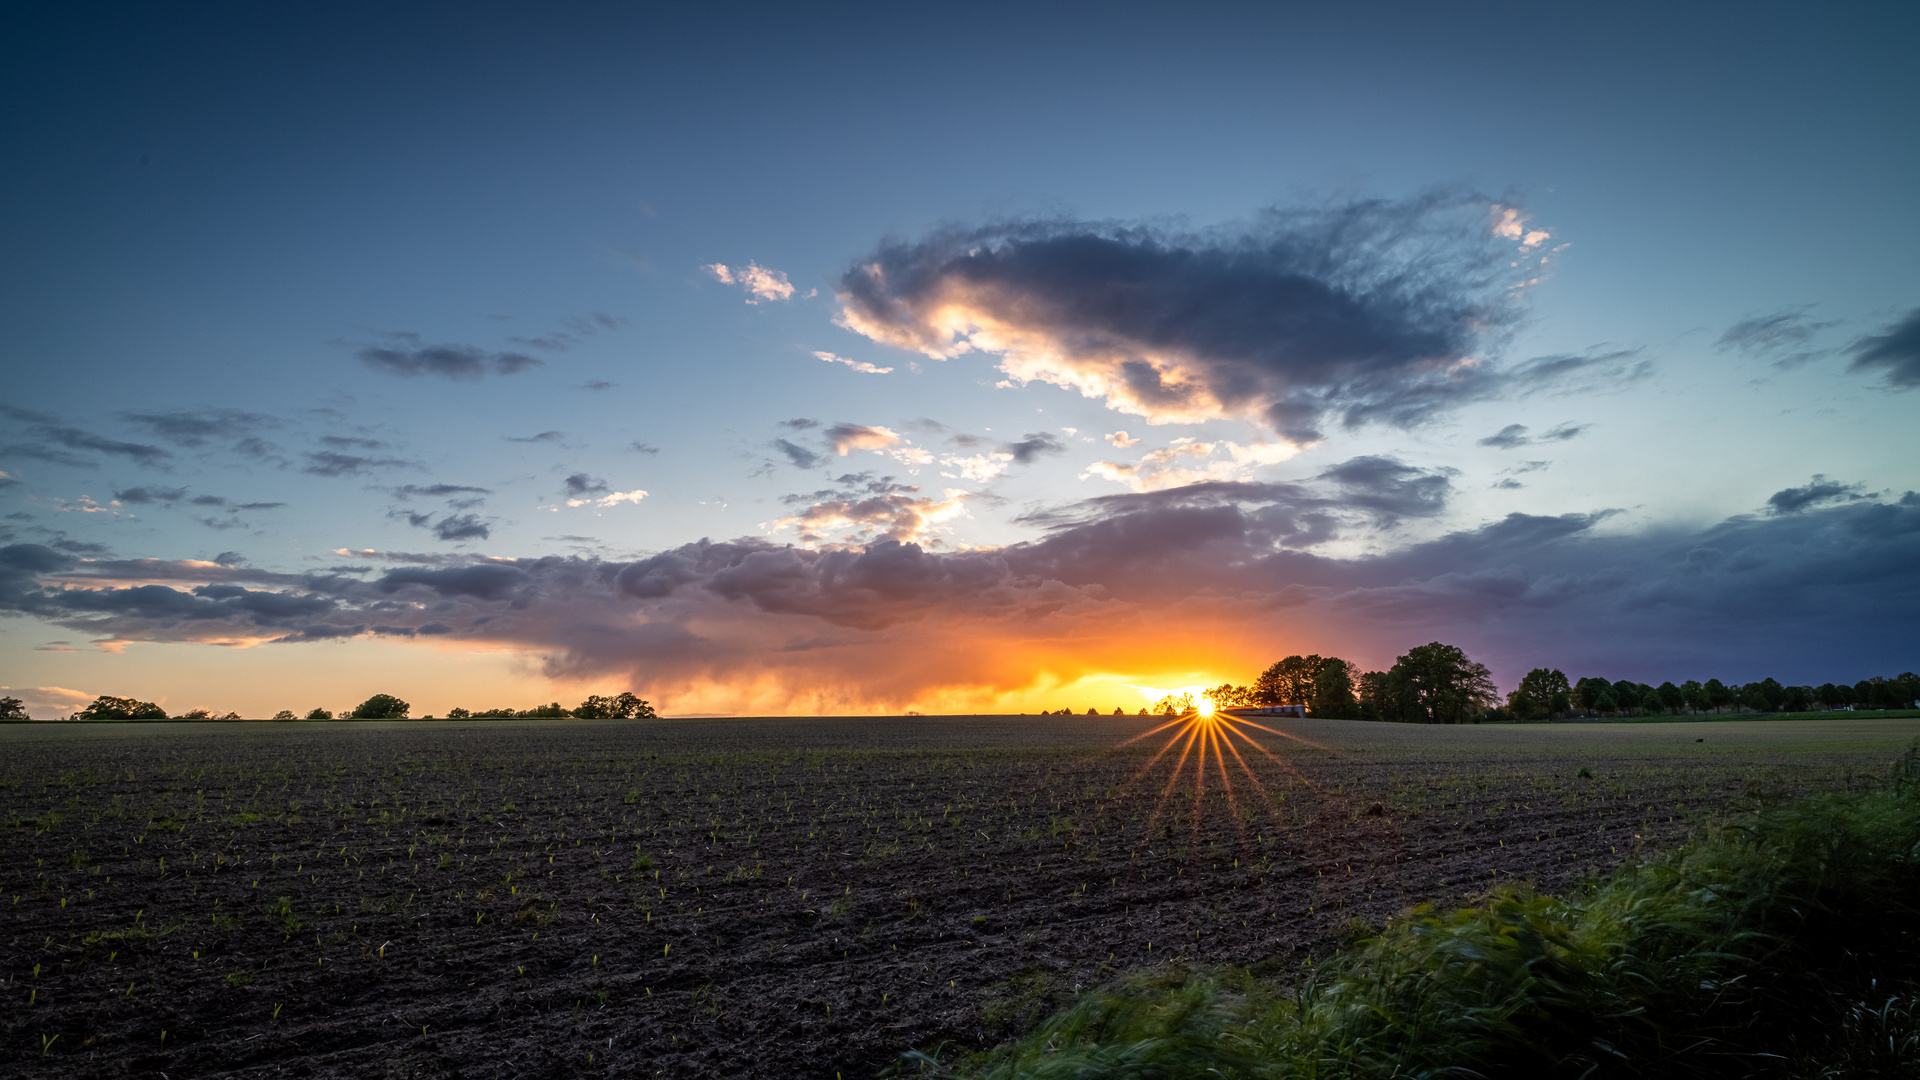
247, 250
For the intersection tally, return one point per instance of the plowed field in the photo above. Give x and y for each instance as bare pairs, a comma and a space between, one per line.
759, 898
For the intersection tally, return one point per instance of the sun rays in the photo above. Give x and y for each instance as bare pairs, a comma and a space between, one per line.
1206, 752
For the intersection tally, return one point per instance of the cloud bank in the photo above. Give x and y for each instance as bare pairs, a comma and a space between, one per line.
1373, 311
1211, 577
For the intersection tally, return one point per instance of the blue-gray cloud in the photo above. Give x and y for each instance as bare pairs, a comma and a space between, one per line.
1818, 490
458, 362
1372, 311
1516, 435
1895, 350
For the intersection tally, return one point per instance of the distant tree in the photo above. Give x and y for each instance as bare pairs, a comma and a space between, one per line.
1385, 696
1229, 696
1629, 693
1652, 703
1332, 690
1797, 698
1672, 699
594, 708
319, 714
1605, 704
1586, 693
1118, 711
551, 711
1288, 681
381, 707
1174, 704
195, 714
629, 707
457, 713
284, 714
1693, 695
107, 707
1538, 694
12, 708
1716, 694
1450, 687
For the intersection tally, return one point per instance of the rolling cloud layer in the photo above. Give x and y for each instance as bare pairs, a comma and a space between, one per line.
1202, 570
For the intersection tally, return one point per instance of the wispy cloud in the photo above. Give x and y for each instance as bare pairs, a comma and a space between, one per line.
857, 365
1515, 435
411, 358
760, 283
1895, 351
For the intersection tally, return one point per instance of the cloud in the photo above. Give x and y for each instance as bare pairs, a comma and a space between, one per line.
1785, 337
799, 455
857, 365
844, 438
198, 427
642, 448
1514, 435
1373, 311
1032, 445
1121, 440
581, 489
760, 282
1191, 462
1895, 349
1388, 488
598, 385
334, 463
545, 436
462, 527
883, 510
1818, 490
77, 439
143, 496
456, 362
1127, 583
573, 331
582, 484
436, 491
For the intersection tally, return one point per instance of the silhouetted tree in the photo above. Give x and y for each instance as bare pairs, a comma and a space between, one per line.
1542, 692
381, 707
1451, 688
108, 707
319, 714
1332, 690
12, 708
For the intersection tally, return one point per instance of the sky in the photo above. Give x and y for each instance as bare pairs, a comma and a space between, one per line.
949, 358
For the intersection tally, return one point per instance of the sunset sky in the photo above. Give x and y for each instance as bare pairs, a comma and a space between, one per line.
949, 358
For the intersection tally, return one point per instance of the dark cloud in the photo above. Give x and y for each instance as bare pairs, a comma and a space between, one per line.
457, 362
142, 496
545, 436
1896, 350
334, 463
1818, 490
800, 423
1389, 489
230, 558
52, 442
799, 455
844, 438
258, 506
79, 547
1370, 312
1809, 595
580, 484
598, 384
462, 527
436, 491
1516, 435
207, 500
642, 448
1032, 446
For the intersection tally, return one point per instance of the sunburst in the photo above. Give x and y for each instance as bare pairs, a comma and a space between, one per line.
1199, 735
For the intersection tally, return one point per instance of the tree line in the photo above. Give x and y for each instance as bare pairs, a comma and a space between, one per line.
1438, 683
622, 706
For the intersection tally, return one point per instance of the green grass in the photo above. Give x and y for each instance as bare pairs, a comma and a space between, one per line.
1712, 718
1784, 944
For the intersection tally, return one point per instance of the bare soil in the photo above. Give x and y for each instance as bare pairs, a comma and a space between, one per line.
760, 898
